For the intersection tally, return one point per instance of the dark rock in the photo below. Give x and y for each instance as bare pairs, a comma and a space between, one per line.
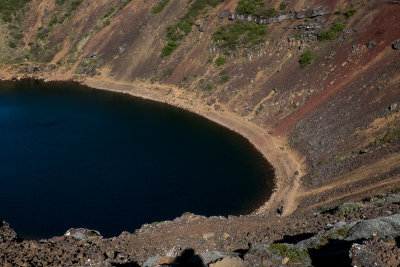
363, 151
224, 14
396, 45
370, 44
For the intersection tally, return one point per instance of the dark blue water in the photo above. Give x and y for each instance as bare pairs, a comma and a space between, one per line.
71, 156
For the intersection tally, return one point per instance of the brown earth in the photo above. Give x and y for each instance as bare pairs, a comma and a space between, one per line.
330, 130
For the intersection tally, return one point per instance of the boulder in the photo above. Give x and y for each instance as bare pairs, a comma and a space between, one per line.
82, 233
383, 227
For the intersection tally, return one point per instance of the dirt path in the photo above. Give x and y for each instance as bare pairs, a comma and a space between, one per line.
361, 174
367, 190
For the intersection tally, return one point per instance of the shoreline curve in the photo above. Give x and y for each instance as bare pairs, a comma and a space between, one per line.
288, 166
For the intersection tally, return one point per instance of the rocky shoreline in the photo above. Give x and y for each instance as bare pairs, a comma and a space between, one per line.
363, 234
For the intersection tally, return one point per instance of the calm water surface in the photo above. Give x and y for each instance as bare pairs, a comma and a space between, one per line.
71, 156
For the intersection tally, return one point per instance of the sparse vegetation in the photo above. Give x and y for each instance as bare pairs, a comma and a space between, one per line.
221, 60
183, 27
348, 208
333, 31
170, 47
159, 7
349, 12
207, 87
271, 12
256, 8
282, 6
294, 254
223, 77
239, 34
9, 8
12, 44
337, 12
306, 58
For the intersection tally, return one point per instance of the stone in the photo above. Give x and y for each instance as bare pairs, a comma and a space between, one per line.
393, 107
82, 233
224, 14
226, 236
207, 236
370, 44
229, 262
111, 254
396, 45
285, 260
168, 260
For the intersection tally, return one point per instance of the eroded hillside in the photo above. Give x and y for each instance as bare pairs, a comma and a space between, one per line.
315, 84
